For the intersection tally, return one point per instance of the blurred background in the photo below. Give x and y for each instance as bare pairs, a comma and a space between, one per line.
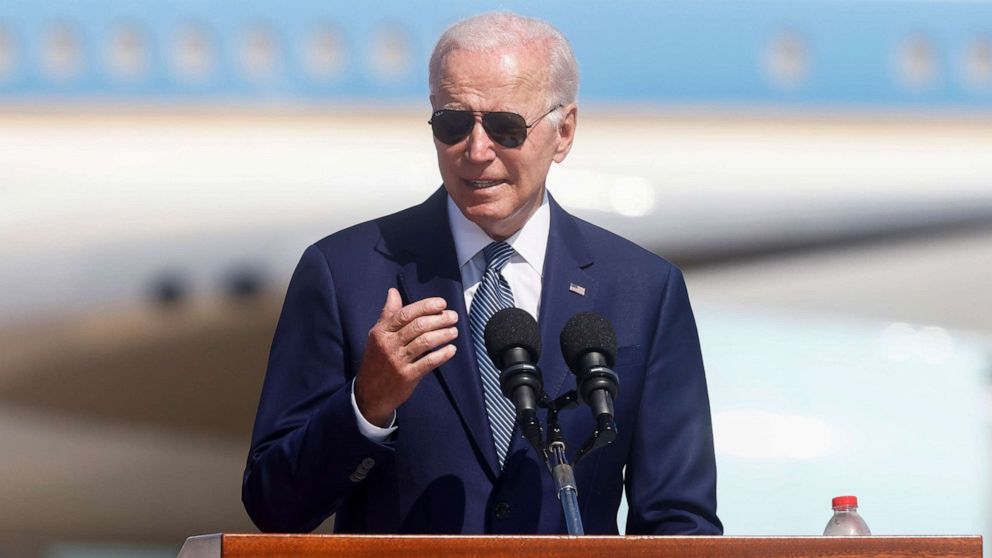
822, 171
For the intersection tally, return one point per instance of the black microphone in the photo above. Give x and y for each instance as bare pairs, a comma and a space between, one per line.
513, 342
589, 346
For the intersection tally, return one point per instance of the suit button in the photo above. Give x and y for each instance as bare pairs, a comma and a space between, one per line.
502, 510
368, 463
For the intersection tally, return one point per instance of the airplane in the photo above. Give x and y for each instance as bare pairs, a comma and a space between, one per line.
836, 242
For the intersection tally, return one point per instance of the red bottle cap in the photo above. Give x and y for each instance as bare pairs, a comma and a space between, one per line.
844, 502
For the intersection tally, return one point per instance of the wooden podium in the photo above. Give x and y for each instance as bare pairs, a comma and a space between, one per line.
413, 546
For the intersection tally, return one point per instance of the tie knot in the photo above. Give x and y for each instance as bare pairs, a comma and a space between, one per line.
497, 255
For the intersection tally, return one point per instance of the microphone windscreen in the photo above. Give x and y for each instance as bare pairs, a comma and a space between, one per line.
586, 332
509, 328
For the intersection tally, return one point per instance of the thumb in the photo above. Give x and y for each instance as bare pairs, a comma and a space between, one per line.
393, 302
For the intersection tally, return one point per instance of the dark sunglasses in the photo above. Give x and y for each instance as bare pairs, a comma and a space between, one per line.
508, 129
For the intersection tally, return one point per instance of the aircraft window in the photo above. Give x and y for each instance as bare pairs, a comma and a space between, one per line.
195, 53
391, 53
127, 52
259, 53
916, 62
8, 53
62, 52
978, 64
786, 59
324, 53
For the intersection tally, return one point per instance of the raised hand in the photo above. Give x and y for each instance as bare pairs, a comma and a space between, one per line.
404, 345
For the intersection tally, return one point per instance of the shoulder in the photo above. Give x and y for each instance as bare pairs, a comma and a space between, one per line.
615, 254
356, 237
382, 234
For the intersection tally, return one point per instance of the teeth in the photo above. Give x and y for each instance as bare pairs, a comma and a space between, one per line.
484, 183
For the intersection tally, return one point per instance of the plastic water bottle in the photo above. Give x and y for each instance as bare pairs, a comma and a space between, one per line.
846, 522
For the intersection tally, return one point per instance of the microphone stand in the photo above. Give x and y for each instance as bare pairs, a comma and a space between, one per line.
557, 462
568, 494
555, 457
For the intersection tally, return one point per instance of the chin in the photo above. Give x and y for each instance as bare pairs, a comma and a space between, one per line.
485, 216
495, 215
498, 225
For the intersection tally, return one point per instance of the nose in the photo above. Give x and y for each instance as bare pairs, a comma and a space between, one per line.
478, 147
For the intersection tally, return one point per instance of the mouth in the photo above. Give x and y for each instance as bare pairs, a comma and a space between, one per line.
483, 184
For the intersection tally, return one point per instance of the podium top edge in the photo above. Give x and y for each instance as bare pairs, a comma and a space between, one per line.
593, 537
235, 545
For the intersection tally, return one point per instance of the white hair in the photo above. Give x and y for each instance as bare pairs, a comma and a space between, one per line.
502, 30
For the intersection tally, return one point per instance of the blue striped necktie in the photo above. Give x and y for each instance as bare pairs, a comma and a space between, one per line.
493, 294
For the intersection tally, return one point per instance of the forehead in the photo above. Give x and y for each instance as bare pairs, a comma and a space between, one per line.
491, 80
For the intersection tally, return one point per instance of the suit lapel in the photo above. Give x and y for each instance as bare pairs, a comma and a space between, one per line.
567, 288
565, 264
423, 245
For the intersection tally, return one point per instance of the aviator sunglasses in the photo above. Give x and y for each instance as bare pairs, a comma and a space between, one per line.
508, 129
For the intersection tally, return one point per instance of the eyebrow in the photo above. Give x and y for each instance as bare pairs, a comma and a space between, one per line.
458, 106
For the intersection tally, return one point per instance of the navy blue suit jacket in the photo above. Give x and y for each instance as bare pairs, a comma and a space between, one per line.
439, 473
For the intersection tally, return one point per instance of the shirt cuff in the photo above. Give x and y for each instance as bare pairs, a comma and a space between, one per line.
369, 430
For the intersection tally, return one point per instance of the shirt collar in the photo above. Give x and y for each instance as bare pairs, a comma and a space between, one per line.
530, 242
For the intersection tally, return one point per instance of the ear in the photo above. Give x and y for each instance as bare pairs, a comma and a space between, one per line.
566, 132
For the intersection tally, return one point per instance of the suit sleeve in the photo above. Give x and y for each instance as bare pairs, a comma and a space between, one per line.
306, 446
671, 473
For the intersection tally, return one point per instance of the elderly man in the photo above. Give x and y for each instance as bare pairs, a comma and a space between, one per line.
390, 418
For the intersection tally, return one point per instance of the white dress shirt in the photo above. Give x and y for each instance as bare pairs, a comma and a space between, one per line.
526, 266
523, 272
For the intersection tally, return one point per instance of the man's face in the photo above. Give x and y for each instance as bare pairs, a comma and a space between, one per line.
496, 187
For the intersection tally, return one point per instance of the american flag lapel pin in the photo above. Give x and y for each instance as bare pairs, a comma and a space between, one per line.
577, 289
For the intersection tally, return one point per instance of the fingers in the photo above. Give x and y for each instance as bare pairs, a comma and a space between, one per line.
400, 317
423, 326
429, 341
432, 360
427, 324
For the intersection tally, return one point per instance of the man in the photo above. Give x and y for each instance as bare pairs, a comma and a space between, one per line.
387, 418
